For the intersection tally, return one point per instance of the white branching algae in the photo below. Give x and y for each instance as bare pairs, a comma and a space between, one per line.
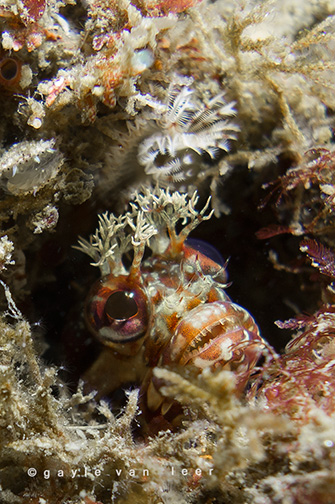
154, 211
6, 250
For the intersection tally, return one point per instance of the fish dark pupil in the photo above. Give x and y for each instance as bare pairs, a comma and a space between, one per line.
121, 305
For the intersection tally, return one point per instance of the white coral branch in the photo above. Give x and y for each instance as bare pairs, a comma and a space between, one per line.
152, 221
143, 230
107, 245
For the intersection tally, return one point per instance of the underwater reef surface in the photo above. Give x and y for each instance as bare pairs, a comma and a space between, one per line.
170, 372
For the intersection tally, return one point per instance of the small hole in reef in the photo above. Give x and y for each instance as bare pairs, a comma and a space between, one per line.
9, 69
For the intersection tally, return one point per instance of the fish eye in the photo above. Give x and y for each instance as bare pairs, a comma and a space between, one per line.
121, 305
117, 311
